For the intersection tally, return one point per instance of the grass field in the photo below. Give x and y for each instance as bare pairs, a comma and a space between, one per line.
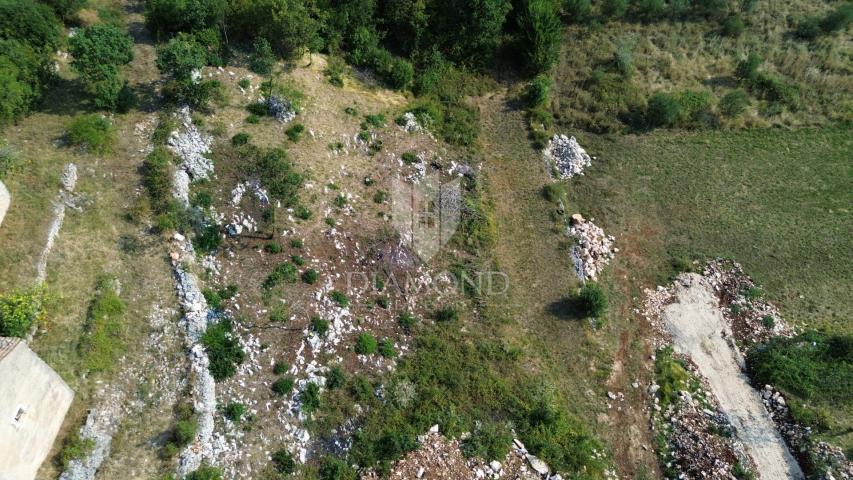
777, 201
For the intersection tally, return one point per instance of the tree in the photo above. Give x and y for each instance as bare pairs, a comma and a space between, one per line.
66, 8
263, 59
180, 59
98, 52
15, 94
614, 8
31, 23
288, 25
663, 110
165, 17
540, 32
468, 31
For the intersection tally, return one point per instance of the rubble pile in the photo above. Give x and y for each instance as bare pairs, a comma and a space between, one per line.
566, 157
410, 123
752, 319
799, 439
699, 436
440, 458
280, 108
594, 249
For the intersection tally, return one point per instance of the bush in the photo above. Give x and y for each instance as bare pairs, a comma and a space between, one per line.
310, 276
179, 58
332, 468
592, 300
205, 472
747, 69
102, 342
838, 19
386, 348
335, 69
365, 344
280, 177
693, 103
400, 74
285, 272
234, 411
407, 321
489, 441
538, 91
92, 132
554, 192
310, 397
157, 177
75, 448
320, 326
335, 378
208, 239
262, 60
448, 313
733, 26
734, 103
663, 110
650, 10
808, 28
670, 375
294, 133
339, 298
540, 34
380, 196
279, 368
223, 350
577, 11
614, 9
240, 139
283, 386
185, 430
20, 311
283, 462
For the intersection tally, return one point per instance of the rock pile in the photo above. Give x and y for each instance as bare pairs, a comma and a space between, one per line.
280, 108
799, 438
191, 146
594, 249
5, 200
699, 436
410, 123
566, 156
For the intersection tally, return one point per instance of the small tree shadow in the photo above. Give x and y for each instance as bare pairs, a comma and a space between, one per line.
568, 308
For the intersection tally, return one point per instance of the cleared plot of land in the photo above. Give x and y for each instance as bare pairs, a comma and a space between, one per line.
697, 328
776, 201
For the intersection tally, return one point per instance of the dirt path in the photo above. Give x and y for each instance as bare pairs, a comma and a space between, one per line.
699, 330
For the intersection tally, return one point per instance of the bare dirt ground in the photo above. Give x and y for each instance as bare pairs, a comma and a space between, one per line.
698, 329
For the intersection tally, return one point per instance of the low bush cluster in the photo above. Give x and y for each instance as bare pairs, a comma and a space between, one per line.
91, 132
223, 350
20, 311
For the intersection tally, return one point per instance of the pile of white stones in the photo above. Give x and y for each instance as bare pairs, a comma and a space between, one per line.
281, 109
566, 156
593, 250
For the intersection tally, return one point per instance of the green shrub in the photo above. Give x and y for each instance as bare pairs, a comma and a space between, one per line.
223, 350
335, 378
768, 321
407, 321
283, 386
102, 342
365, 344
747, 69
577, 11
386, 348
838, 19
540, 33
283, 462
310, 397
208, 239
400, 75
294, 133
693, 104
489, 441
383, 302
202, 200
373, 120
320, 326
244, 83
663, 110
734, 103
262, 60
213, 299
20, 311
91, 132
280, 368
448, 313
614, 9
303, 213
335, 70
273, 247
554, 192
733, 26
297, 260
339, 298
650, 10
98, 51
75, 448
280, 177
332, 468
234, 411
380, 196
185, 431
205, 472
240, 139
310, 276
670, 375
592, 300
157, 177
740, 472
285, 272
538, 90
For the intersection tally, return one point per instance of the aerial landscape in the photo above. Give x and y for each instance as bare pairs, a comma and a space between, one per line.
426, 239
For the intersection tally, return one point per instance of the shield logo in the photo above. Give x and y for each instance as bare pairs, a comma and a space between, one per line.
426, 213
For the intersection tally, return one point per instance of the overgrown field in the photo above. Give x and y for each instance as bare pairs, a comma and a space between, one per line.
778, 201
